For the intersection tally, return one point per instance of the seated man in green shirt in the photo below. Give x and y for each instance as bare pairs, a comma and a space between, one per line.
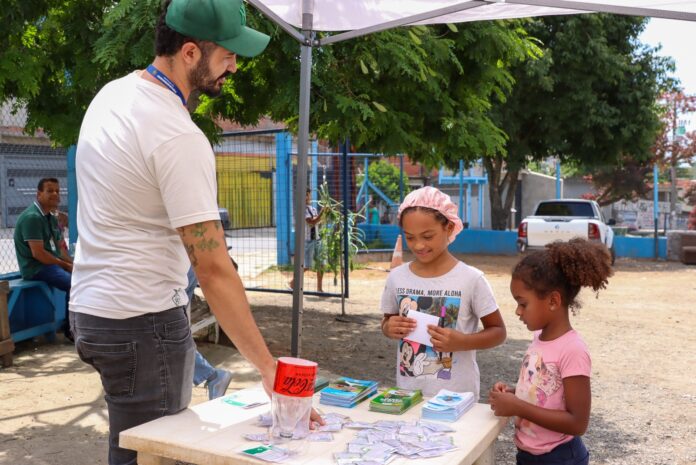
38, 239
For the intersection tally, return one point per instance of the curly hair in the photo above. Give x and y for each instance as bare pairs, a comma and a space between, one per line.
566, 267
439, 217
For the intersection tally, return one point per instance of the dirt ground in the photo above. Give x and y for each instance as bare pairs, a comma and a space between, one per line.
641, 332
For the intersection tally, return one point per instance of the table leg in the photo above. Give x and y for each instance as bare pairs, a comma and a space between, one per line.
148, 459
487, 457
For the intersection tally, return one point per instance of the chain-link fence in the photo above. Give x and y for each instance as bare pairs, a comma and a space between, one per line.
24, 160
256, 174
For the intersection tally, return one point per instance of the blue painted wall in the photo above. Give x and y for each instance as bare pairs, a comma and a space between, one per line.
640, 247
488, 242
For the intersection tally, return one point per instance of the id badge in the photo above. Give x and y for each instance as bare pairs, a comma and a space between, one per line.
53, 245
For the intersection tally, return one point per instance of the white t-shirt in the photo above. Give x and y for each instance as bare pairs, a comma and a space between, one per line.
143, 170
467, 297
310, 231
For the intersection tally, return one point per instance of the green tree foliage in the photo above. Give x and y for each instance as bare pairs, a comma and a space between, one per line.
421, 90
424, 91
386, 177
57, 54
591, 100
46, 62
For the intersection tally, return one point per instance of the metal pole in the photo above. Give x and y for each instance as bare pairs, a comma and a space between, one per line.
301, 188
480, 204
558, 179
468, 200
401, 179
314, 183
461, 189
673, 171
656, 216
72, 196
367, 189
600, 7
346, 259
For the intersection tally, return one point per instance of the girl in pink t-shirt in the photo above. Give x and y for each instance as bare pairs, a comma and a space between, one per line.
552, 398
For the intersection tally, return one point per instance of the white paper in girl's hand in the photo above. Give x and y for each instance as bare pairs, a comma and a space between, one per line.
420, 334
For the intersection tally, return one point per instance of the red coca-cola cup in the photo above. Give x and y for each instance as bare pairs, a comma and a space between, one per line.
292, 402
295, 377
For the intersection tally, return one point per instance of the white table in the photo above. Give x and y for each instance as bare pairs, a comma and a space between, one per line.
211, 434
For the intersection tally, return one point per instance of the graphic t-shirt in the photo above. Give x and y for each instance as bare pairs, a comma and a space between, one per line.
310, 230
545, 365
467, 297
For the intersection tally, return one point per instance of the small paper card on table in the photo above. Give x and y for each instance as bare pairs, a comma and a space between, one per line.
246, 398
420, 334
266, 453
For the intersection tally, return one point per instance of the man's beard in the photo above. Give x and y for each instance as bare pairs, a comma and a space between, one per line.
200, 78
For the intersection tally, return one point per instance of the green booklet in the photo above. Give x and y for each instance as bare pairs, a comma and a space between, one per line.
395, 400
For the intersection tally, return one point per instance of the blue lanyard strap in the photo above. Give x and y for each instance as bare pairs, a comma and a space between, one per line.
161, 77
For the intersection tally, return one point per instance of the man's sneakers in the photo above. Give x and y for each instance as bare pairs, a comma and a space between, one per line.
217, 385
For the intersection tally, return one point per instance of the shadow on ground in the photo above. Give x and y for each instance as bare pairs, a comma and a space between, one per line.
70, 444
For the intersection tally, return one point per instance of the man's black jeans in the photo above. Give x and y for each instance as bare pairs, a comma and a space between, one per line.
145, 364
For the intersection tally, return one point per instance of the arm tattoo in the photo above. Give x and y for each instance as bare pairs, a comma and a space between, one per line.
192, 255
207, 244
198, 230
218, 225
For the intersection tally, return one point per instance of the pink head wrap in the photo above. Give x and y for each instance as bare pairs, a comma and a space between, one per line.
430, 197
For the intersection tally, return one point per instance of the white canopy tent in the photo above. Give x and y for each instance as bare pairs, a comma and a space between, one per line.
355, 18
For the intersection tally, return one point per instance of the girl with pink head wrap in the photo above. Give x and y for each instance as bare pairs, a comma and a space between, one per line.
434, 199
440, 296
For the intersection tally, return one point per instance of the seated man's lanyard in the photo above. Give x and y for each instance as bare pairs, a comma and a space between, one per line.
51, 232
168, 83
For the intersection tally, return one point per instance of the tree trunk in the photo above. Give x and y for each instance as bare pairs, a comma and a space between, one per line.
501, 189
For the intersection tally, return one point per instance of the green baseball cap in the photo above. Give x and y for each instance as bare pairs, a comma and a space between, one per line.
219, 21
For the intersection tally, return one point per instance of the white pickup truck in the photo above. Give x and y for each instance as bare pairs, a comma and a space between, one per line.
562, 220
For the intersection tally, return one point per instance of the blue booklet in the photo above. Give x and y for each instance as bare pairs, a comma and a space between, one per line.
447, 405
347, 392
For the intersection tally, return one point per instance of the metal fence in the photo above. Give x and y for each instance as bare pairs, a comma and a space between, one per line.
24, 160
256, 174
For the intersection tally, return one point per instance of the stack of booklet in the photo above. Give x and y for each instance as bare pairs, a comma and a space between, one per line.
347, 392
395, 400
448, 405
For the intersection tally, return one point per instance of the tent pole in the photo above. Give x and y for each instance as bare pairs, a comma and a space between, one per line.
301, 185
604, 8
267, 12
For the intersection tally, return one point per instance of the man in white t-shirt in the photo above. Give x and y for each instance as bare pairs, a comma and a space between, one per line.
147, 211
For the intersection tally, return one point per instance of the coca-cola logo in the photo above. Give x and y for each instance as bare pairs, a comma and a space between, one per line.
295, 386
294, 380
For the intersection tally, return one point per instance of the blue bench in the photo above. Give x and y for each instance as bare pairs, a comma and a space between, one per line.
34, 308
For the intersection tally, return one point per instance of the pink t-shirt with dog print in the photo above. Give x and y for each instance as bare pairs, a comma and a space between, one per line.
545, 365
